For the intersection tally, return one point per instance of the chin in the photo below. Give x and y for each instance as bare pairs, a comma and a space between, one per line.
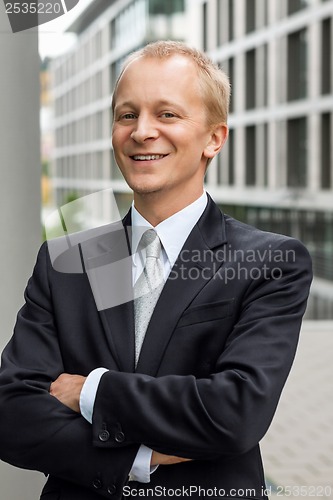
145, 187
145, 190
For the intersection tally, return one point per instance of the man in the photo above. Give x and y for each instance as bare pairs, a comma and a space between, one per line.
169, 392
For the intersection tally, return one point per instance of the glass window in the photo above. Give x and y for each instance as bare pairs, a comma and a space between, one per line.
297, 65
265, 155
163, 7
250, 16
112, 33
231, 165
296, 5
250, 137
326, 56
115, 172
326, 153
297, 152
250, 86
204, 27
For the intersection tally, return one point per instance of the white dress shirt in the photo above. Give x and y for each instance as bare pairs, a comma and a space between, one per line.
173, 232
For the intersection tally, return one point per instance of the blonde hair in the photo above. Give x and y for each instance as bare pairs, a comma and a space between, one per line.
213, 81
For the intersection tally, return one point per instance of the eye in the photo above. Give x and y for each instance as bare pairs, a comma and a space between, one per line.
168, 114
128, 116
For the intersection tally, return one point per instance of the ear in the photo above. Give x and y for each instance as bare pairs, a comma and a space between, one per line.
218, 136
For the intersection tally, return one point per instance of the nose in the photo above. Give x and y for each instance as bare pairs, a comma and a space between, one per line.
145, 129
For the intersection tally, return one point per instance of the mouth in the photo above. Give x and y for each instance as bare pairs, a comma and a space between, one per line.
147, 157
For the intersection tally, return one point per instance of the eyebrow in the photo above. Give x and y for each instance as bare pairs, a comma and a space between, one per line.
129, 104
162, 102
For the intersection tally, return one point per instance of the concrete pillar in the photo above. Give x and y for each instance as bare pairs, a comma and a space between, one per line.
272, 98
19, 200
314, 130
239, 107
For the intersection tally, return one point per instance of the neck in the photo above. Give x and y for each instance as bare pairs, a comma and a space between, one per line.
156, 209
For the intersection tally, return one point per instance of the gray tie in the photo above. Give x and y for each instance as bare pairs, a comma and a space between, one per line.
147, 288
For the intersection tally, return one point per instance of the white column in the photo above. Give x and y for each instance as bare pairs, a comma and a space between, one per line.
239, 155
224, 163
212, 24
261, 6
239, 18
19, 200
260, 76
260, 157
314, 128
239, 107
224, 21
272, 165
273, 74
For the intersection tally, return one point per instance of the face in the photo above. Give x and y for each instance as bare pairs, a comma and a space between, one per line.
160, 135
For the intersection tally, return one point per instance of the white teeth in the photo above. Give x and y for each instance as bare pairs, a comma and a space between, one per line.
147, 157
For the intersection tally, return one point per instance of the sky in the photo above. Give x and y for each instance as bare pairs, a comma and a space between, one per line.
53, 40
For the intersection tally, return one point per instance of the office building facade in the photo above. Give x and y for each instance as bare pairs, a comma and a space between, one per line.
276, 170
83, 81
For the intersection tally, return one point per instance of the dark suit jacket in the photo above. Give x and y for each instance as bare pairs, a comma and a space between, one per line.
216, 355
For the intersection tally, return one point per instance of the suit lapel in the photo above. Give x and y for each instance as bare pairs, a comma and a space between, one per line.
108, 264
195, 266
118, 323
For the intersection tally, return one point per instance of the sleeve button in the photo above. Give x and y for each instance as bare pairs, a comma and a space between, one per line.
111, 489
119, 437
104, 435
97, 484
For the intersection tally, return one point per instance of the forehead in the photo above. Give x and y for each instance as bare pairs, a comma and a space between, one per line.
173, 75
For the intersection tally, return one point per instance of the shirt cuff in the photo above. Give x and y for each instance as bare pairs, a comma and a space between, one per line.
89, 391
141, 468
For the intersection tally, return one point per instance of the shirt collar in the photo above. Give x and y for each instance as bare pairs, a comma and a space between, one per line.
173, 232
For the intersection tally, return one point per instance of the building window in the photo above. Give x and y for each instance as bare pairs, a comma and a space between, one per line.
98, 85
326, 152
326, 54
265, 155
162, 7
250, 138
98, 44
297, 65
115, 172
204, 27
250, 83
112, 33
296, 152
231, 164
250, 17
296, 5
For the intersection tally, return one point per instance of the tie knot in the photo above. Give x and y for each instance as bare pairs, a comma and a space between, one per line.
151, 242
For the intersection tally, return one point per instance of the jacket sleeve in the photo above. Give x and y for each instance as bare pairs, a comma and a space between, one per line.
228, 412
36, 430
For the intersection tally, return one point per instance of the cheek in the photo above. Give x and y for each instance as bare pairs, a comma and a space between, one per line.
114, 139
118, 136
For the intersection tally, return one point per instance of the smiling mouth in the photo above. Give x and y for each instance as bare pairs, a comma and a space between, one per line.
147, 157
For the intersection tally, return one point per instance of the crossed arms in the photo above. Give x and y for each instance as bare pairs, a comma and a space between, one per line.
67, 389
222, 414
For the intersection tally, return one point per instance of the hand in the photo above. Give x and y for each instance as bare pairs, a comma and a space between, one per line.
161, 459
67, 389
